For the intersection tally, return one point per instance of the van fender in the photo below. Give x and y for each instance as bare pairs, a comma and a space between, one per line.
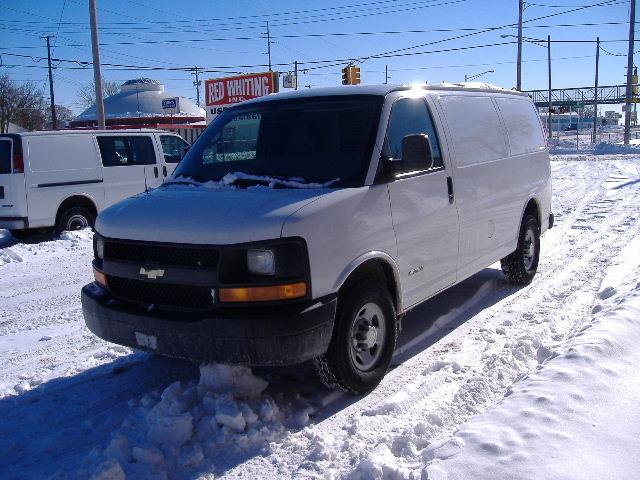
365, 257
84, 195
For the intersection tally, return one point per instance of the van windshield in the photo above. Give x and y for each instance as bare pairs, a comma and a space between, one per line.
5, 156
326, 140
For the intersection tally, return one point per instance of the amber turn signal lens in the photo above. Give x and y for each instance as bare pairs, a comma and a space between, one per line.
100, 277
264, 294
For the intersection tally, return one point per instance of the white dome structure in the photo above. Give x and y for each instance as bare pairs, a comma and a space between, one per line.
140, 102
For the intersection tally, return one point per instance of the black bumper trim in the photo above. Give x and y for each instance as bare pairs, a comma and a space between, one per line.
271, 340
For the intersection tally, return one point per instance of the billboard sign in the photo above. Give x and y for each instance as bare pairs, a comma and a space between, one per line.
171, 105
221, 93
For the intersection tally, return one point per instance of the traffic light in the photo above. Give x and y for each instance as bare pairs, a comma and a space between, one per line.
346, 76
355, 75
350, 75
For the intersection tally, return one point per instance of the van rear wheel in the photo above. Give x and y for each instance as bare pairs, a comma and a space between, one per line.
75, 218
363, 340
521, 266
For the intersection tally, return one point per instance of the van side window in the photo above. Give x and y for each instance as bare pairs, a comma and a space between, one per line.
125, 151
410, 116
172, 148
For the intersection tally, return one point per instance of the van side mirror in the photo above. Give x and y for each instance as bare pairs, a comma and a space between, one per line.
416, 151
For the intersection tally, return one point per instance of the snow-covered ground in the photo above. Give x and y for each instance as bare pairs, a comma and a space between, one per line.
489, 380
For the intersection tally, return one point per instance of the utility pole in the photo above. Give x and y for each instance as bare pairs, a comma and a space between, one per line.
549, 92
519, 61
595, 96
269, 45
627, 113
197, 84
97, 76
295, 70
54, 121
386, 74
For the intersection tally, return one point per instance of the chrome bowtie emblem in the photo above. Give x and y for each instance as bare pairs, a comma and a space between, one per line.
152, 274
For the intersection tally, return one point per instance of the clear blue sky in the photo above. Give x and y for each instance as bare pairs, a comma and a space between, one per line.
218, 25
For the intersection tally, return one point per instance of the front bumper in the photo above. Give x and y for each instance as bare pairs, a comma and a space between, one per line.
14, 223
233, 338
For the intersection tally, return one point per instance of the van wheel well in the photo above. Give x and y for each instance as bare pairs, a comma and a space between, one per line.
374, 269
533, 210
76, 201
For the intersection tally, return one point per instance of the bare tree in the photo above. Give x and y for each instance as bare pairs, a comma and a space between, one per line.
64, 116
21, 104
87, 94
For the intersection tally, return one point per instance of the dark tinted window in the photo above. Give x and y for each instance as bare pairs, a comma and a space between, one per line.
410, 116
172, 147
315, 139
5, 156
124, 151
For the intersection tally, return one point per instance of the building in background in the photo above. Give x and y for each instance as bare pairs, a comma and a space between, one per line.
572, 121
144, 103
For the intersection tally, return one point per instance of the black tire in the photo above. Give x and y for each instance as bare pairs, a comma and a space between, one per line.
521, 266
75, 218
338, 367
21, 234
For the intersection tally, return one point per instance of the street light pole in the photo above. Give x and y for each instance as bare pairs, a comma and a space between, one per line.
519, 62
627, 113
549, 92
54, 122
595, 93
97, 75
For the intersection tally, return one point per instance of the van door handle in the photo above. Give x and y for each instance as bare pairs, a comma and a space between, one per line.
450, 189
164, 170
155, 171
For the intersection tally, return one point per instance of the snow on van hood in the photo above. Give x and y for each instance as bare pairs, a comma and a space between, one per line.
199, 215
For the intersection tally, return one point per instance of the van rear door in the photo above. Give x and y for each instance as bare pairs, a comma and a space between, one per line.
13, 200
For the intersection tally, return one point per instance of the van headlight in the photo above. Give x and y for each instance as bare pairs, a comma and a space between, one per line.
261, 262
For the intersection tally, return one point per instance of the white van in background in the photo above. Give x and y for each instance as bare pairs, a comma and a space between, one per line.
63, 179
304, 225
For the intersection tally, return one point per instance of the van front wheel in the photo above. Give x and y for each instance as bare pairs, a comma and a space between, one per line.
363, 340
520, 266
75, 218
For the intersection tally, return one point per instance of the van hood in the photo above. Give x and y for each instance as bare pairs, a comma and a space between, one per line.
198, 215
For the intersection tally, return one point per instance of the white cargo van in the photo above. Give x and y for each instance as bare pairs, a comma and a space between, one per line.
63, 179
304, 225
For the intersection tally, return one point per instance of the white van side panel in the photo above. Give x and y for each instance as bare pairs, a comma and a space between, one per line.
340, 228
491, 185
57, 167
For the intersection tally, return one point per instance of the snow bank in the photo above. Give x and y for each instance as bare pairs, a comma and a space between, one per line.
575, 417
568, 147
67, 242
198, 428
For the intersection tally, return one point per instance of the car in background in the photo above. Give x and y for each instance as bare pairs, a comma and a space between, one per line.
63, 179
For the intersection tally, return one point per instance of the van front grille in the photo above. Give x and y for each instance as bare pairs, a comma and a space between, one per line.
163, 295
160, 254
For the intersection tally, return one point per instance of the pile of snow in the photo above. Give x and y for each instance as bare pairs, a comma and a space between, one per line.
200, 428
79, 240
575, 417
568, 147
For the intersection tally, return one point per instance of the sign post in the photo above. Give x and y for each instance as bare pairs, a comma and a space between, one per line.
221, 93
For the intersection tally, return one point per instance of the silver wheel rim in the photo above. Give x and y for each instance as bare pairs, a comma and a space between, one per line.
367, 337
77, 222
529, 250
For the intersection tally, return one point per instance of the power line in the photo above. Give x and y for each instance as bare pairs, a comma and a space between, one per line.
319, 35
